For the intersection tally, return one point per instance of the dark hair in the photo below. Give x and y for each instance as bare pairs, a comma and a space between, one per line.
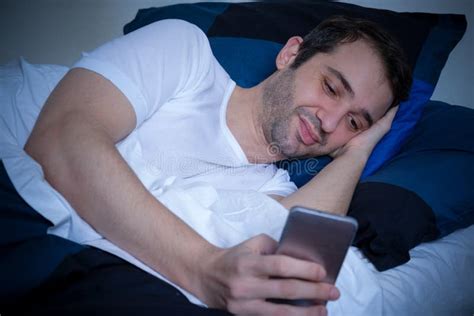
332, 32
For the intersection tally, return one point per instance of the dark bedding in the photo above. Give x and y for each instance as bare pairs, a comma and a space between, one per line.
44, 274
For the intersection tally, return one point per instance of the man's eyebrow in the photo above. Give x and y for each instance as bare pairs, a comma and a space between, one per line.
367, 117
343, 80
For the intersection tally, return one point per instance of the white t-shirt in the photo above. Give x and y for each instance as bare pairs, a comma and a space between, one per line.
181, 148
180, 94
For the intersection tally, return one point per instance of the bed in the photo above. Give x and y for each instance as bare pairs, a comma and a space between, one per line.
414, 251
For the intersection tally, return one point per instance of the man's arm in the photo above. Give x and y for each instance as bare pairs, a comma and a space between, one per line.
74, 141
332, 189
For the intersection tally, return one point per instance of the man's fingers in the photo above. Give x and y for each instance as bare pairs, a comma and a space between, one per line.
389, 116
287, 267
253, 274
297, 289
291, 289
261, 307
392, 112
380, 128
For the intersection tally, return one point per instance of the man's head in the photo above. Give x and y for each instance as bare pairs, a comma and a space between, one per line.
336, 82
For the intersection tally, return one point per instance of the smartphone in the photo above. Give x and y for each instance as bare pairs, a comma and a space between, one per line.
317, 236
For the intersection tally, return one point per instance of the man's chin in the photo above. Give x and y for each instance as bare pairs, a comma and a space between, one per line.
301, 151
299, 155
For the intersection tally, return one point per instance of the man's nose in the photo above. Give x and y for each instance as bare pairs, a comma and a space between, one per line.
330, 118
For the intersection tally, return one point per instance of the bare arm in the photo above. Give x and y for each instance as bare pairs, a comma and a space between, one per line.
332, 189
74, 141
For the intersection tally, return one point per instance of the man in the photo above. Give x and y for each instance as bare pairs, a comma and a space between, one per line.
157, 97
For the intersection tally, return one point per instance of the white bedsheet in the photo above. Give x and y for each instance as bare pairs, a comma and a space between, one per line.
439, 280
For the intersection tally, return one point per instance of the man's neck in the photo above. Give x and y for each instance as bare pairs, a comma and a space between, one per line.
243, 119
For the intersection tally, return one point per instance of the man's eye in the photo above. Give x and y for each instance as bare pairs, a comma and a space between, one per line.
353, 123
329, 89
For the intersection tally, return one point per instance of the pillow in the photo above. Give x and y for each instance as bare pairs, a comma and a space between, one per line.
437, 164
392, 220
246, 37
424, 192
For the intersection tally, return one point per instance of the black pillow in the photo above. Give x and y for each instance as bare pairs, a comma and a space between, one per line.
392, 220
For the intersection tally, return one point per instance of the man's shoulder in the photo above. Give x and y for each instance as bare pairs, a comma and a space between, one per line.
180, 29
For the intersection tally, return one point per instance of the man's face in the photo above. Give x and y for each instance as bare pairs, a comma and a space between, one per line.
320, 106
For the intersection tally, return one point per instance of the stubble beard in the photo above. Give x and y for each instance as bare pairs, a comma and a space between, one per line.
278, 111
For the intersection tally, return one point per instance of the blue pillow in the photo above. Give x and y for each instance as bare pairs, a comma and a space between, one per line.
246, 37
425, 192
437, 164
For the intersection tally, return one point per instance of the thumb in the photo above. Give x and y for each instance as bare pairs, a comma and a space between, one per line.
382, 126
261, 244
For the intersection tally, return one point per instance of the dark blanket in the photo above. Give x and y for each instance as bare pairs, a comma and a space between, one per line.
47, 275
27, 254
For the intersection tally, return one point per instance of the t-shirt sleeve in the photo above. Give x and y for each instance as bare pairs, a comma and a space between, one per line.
280, 184
153, 64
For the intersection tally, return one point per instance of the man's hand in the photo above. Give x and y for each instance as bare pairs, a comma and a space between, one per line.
366, 141
240, 279
332, 189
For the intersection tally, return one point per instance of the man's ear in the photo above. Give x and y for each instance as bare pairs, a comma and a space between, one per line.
288, 53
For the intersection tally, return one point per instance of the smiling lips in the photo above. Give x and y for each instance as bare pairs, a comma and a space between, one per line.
307, 134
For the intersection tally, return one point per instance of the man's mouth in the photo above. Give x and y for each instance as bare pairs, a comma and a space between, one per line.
307, 134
